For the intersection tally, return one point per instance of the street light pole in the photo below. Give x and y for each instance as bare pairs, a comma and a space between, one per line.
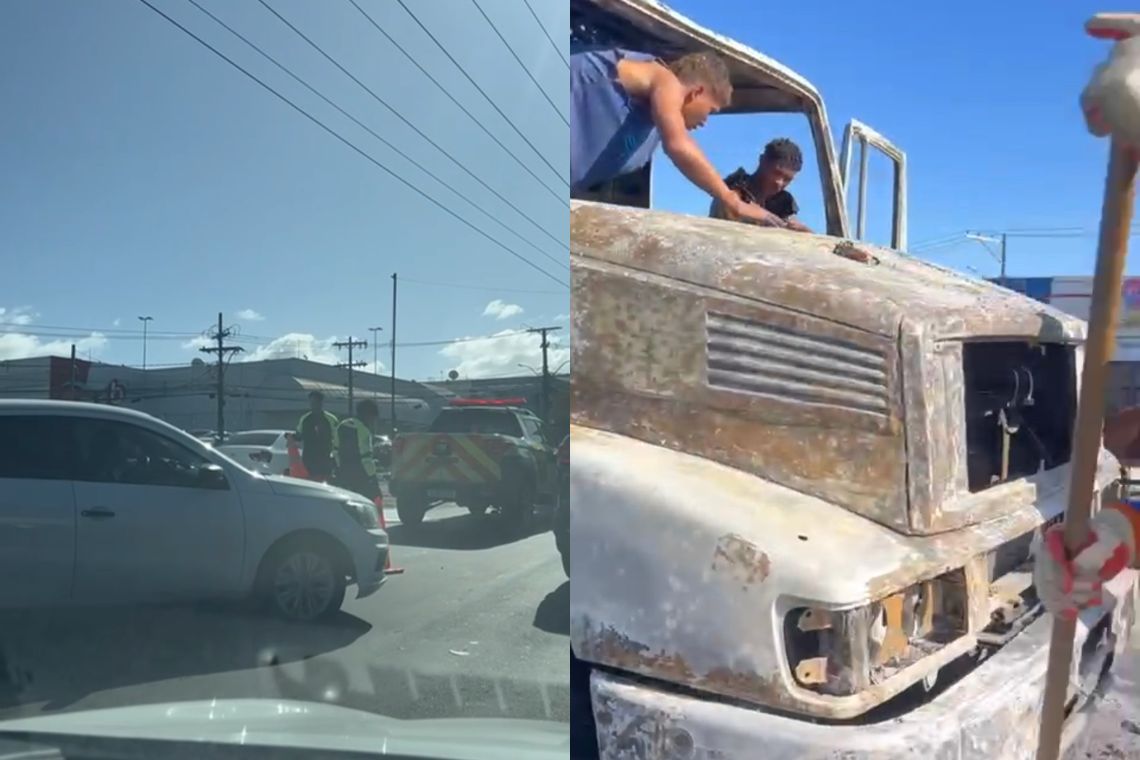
374, 331
983, 239
145, 321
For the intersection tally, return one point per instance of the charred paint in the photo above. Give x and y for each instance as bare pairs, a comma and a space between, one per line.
740, 559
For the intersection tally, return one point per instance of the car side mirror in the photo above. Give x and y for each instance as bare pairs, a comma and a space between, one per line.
213, 477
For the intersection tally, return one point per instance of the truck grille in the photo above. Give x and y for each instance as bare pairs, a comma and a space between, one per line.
754, 358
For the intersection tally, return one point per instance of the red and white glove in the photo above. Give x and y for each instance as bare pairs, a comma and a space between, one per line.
1067, 584
1111, 100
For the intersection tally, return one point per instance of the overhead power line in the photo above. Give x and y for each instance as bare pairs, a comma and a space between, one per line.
518, 60
395, 175
481, 288
542, 26
401, 117
486, 97
561, 197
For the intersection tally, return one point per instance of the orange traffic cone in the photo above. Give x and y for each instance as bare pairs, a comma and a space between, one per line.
388, 569
296, 466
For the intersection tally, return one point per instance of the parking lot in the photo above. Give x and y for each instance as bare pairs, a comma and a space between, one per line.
476, 626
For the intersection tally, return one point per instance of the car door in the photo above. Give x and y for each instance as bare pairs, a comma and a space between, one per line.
37, 511
149, 527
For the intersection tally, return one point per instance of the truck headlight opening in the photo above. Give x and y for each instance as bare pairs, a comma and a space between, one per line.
843, 652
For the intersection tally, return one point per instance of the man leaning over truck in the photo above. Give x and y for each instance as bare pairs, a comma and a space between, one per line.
624, 104
780, 162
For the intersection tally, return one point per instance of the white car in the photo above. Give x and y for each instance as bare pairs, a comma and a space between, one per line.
264, 451
102, 505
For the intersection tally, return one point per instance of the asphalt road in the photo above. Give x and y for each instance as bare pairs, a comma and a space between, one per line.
475, 627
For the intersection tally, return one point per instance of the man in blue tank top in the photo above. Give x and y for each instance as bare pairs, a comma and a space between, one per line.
624, 104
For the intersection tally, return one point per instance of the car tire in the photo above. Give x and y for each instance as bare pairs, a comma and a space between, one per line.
518, 511
411, 510
303, 581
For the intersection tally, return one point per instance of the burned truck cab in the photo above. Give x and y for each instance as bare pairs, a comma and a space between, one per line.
805, 484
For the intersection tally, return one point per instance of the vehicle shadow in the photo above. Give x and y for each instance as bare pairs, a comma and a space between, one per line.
50, 659
465, 532
553, 612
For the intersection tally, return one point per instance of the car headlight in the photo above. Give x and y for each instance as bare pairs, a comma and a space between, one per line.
363, 512
843, 652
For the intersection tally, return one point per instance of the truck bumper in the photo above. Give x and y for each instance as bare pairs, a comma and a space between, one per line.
992, 712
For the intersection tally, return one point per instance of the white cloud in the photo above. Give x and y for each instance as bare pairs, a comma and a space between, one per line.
15, 345
502, 310
198, 342
250, 315
21, 315
117, 322
562, 318
296, 346
500, 355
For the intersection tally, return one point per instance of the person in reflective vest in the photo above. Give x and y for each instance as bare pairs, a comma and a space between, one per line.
356, 461
316, 432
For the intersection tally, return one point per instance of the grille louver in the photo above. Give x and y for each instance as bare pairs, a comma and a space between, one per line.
753, 358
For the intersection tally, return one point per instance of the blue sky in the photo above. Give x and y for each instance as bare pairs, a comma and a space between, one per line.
981, 96
145, 176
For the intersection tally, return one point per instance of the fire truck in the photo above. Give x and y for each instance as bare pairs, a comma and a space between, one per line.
482, 454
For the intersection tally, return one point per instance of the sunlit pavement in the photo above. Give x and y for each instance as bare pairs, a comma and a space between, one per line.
475, 627
1114, 729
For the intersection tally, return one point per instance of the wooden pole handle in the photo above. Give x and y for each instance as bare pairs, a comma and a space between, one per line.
1112, 250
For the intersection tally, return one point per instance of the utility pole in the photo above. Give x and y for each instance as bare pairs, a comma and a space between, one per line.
144, 320
222, 350
983, 239
543, 331
350, 344
74, 394
392, 392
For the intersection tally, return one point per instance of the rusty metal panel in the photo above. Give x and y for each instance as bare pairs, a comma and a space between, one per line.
749, 356
804, 402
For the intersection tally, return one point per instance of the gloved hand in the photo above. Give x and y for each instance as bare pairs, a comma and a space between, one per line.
1111, 101
1067, 584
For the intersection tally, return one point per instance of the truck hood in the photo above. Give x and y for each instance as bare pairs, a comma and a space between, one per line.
320, 726
802, 273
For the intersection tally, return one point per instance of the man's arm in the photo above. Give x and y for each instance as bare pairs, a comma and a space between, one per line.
666, 97
796, 224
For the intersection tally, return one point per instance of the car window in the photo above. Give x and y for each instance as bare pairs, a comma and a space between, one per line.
115, 452
485, 421
34, 447
533, 429
252, 439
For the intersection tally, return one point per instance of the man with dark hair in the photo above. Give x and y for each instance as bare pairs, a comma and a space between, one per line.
624, 104
316, 434
355, 456
779, 164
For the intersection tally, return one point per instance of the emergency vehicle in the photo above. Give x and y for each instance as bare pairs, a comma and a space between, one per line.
481, 454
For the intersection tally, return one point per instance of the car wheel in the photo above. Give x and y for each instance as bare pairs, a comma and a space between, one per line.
519, 507
304, 582
411, 510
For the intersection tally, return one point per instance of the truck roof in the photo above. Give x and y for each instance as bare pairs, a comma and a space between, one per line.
801, 273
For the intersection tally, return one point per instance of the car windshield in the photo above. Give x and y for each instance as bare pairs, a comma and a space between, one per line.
252, 439
252, 253
485, 421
